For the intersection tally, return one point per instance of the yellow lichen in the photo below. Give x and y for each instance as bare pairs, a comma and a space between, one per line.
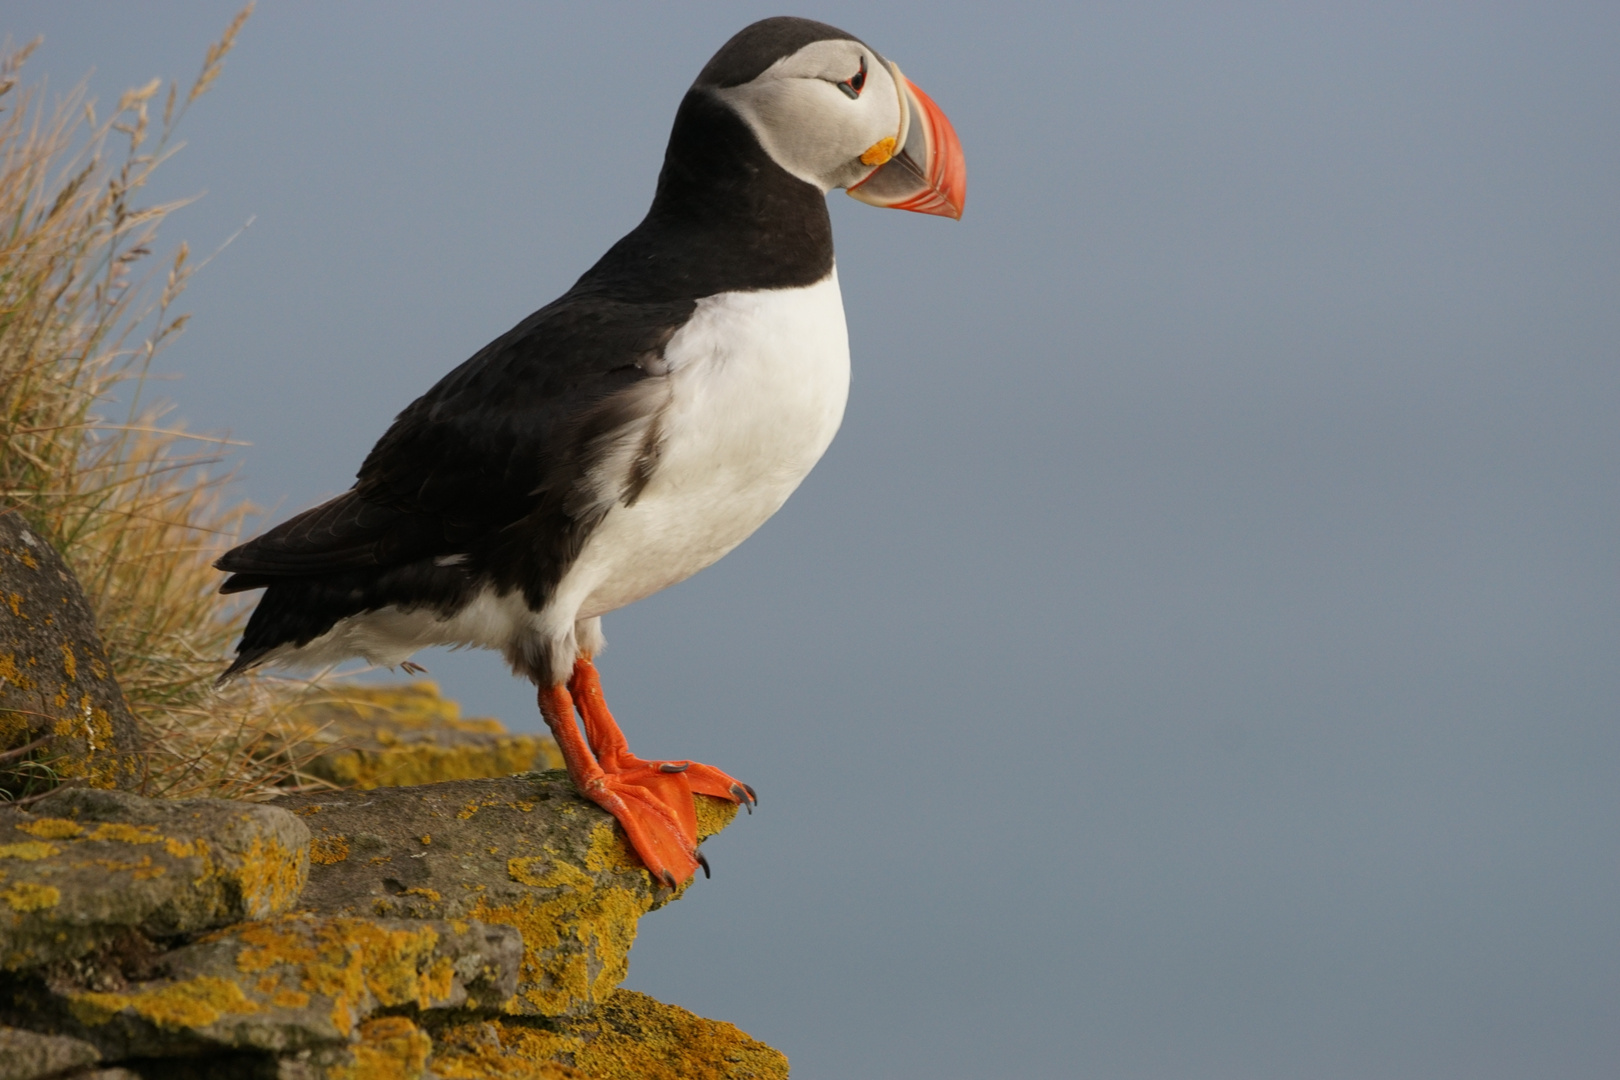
399, 723
576, 944
13, 676
184, 849
390, 1048
29, 850
271, 877
289, 999
630, 1037
713, 814
26, 896
426, 894
350, 961
193, 1003
142, 868
439, 980
127, 834
327, 850
610, 850
52, 828
70, 663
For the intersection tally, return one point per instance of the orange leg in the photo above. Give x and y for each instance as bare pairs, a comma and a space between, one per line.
614, 752
651, 799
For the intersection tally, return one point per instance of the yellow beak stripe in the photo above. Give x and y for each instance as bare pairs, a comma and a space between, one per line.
879, 152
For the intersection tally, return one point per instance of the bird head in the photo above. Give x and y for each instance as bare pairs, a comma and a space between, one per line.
831, 111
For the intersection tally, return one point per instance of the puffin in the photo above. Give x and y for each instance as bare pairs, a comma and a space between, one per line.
632, 431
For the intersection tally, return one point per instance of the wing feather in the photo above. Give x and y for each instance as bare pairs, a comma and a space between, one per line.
511, 436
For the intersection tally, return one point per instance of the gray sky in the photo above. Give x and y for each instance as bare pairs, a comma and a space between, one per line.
1196, 657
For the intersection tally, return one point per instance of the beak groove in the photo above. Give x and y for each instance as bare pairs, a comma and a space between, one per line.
927, 174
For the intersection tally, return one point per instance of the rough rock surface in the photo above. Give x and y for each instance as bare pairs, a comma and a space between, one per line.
81, 869
54, 680
522, 851
630, 1037
28, 1055
461, 930
286, 985
393, 736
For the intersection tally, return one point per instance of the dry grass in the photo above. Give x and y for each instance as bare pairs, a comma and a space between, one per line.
140, 508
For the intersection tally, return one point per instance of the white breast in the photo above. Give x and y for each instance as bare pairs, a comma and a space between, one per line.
757, 386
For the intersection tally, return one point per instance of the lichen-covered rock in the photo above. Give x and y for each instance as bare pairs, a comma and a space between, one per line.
394, 736
286, 985
630, 1037
81, 868
28, 1055
55, 683
523, 851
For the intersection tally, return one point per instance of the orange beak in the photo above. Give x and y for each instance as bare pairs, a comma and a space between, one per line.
927, 173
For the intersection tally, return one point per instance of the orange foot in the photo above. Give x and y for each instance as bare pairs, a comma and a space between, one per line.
651, 799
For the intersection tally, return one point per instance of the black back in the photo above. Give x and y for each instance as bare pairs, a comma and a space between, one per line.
489, 463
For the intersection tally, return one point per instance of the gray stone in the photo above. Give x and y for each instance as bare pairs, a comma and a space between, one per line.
525, 851
301, 982
82, 868
55, 682
28, 1055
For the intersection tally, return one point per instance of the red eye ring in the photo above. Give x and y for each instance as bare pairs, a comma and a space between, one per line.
853, 85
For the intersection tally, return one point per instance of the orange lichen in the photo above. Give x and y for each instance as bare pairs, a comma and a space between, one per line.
52, 828
26, 896
327, 850
193, 1003
70, 663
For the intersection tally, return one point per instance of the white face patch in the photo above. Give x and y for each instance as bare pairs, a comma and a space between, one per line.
810, 126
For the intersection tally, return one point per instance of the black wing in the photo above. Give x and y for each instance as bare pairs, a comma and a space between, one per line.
499, 443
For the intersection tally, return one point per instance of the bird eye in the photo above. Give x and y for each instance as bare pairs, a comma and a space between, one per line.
853, 85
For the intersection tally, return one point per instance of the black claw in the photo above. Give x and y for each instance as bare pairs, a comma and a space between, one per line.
669, 879
702, 862
751, 796
671, 767
745, 795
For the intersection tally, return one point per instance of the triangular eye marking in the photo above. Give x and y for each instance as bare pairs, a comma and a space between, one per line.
853, 85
